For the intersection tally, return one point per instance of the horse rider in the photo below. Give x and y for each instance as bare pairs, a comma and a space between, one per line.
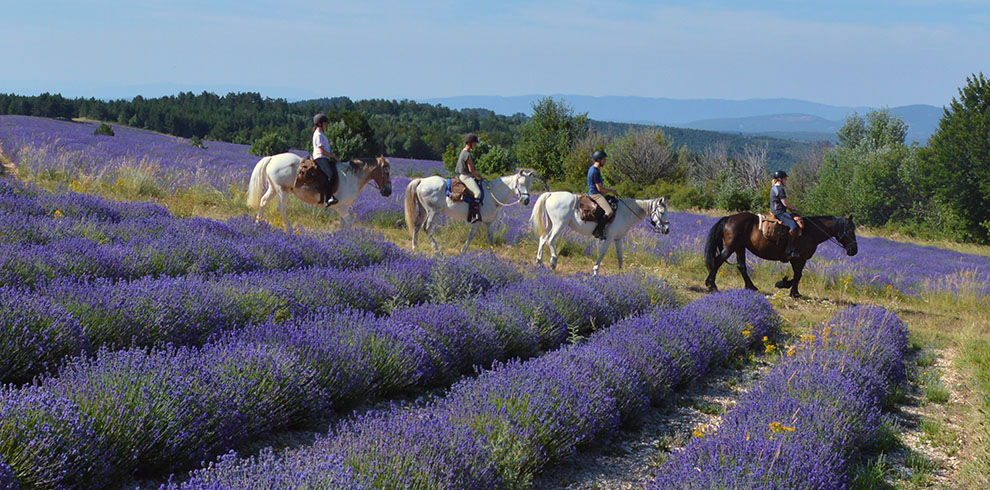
322, 154
596, 191
779, 207
465, 166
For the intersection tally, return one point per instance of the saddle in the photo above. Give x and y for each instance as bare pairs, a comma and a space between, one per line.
591, 211
311, 176
457, 191
775, 230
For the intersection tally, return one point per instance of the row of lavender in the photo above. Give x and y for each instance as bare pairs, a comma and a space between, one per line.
46, 236
71, 149
501, 428
117, 414
805, 421
69, 316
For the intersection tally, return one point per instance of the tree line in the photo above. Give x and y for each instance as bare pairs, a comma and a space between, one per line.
939, 190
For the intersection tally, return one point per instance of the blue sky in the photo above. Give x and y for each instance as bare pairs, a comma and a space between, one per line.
880, 53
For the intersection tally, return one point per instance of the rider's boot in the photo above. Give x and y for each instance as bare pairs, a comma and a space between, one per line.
599, 232
792, 251
331, 201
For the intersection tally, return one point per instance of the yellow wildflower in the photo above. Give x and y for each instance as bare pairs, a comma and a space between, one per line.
791, 350
58, 214
699, 433
778, 428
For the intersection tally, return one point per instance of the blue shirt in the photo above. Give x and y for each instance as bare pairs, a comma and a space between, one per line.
594, 177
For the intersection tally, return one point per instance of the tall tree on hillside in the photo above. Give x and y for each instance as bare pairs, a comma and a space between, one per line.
644, 156
870, 174
548, 137
957, 161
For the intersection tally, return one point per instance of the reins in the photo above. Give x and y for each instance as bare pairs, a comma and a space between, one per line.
827, 234
500, 203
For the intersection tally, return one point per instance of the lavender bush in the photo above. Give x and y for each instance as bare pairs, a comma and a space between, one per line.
801, 425
35, 335
502, 427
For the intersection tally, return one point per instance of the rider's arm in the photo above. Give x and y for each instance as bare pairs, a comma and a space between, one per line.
786, 204
603, 189
470, 167
327, 153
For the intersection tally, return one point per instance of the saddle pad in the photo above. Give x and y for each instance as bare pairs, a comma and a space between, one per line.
589, 208
773, 229
310, 175
457, 191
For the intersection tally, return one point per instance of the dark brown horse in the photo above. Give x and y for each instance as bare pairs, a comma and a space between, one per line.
740, 232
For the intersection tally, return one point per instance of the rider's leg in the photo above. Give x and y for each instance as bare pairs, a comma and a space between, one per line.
792, 235
471, 184
327, 167
609, 212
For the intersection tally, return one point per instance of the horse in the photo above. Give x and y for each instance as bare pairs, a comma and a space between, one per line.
561, 209
279, 172
427, 197
740, 232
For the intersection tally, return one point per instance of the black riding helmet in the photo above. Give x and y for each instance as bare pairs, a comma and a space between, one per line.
320, 119
470, 138
599, 155
780, 174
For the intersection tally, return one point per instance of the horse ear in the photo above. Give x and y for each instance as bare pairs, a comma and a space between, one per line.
663, 200
850, 218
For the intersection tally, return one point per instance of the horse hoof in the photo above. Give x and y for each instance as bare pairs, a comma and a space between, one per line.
796, 295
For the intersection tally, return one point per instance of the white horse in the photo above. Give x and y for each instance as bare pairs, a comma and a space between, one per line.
279, 172
427, 197
561, 209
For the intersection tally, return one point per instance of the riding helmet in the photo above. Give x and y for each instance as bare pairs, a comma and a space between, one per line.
780, 174
470, 138
599, 155
319, 119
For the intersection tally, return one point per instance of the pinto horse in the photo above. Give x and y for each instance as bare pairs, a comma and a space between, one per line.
279, 173
740, 232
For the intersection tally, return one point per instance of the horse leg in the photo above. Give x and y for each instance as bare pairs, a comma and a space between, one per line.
491, 234
420, 219
719, 260
601, 255
741, 265
283, 199
543, 241
798, 266
265, 199
474, 229
346, 218
618, 253
430, 229
555, 232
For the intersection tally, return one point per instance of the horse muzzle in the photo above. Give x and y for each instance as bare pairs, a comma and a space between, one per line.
852, 251
387, 191
526, 201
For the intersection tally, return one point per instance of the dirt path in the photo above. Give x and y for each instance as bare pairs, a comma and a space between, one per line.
929, 429
631, 458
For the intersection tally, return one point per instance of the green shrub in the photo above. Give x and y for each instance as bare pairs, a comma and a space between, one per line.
104, 130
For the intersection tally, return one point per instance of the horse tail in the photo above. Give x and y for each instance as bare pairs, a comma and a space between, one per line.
714, 244
411, 205
257, 185
538, 217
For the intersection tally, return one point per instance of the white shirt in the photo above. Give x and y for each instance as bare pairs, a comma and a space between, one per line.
320, 139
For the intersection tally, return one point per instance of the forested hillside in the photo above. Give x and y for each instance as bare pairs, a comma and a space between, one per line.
399, 128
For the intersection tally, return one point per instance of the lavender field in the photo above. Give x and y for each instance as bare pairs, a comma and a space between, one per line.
140, 349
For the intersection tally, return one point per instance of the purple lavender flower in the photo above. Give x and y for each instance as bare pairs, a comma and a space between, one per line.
8, 480
35, 334
49, 442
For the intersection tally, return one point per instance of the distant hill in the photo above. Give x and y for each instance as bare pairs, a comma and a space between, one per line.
781, 153
787, 118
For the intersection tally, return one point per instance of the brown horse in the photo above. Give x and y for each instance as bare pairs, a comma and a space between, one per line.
739, 232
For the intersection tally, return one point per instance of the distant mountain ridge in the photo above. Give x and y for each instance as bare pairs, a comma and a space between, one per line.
783, 118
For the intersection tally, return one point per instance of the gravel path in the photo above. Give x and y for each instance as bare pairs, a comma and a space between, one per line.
631, 458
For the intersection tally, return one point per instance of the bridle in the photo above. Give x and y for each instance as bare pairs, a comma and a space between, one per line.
837, 238
521, 194
380, 169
